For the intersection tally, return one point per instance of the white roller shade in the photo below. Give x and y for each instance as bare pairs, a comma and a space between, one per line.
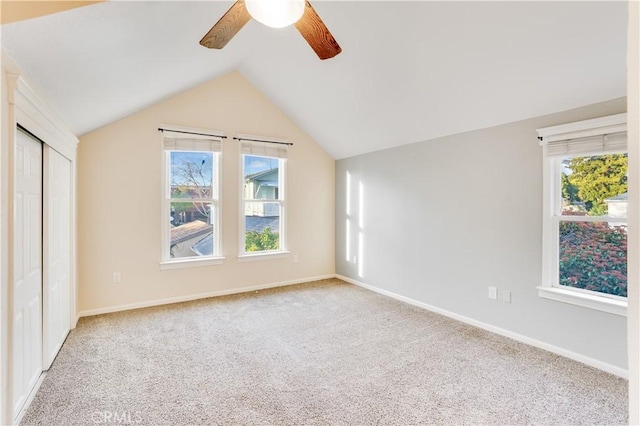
263, 149
176, 141
591, 145
589, 137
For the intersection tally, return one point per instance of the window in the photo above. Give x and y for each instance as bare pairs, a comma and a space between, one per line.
191, 192
263, 208
585, 222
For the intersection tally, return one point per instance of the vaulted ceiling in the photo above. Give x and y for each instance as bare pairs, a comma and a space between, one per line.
410, 71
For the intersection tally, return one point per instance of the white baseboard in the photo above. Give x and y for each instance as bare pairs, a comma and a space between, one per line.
189, 297
620, 372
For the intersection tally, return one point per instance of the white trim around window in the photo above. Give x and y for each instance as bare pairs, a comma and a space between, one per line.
205, 197
606, 135
584, 299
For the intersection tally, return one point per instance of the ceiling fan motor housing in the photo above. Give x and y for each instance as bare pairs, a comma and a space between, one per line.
276, 13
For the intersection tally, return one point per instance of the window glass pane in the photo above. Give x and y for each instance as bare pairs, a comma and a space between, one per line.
192, 174
262, 226
595, 185
191, 230
261, 178
593, 256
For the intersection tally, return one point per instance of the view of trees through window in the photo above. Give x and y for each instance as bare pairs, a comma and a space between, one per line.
593, 249
191, 203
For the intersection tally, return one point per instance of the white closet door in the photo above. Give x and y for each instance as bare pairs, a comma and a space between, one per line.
27, 269
57, 254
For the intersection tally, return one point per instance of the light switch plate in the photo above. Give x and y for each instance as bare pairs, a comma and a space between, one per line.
493, 293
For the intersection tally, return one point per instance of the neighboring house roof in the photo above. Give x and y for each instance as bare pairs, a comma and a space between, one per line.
259, 223
618, 198
260, 175
189, 230
204, 247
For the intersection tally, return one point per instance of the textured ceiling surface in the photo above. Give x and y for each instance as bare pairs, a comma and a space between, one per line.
409, 71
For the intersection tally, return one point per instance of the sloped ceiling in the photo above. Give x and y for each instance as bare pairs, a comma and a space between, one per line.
409, 71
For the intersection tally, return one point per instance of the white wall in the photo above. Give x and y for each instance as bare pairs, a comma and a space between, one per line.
633, 325
119, 195
445, 219
5, 407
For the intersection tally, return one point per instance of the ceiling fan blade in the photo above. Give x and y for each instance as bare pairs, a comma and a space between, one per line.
227, 27
316, 33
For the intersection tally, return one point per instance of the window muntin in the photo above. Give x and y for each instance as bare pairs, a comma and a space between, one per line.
191, 218
263, 204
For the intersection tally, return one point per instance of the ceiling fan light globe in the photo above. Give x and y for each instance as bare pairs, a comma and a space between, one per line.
276, 13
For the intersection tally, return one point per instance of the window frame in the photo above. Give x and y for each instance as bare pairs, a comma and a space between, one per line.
217, 257
243, 255
552, 211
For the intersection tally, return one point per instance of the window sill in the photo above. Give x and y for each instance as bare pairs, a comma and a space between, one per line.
190, 263
262, 256
605, 304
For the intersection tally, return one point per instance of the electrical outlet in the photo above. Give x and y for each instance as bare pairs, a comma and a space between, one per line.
506, 296
295, 258
117, 277
493, 293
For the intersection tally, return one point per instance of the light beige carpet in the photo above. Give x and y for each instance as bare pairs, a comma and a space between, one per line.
320, 353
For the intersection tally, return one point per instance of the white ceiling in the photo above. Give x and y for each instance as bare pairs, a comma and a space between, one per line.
409, 71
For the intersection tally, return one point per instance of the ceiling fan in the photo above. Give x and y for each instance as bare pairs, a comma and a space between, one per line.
276, 14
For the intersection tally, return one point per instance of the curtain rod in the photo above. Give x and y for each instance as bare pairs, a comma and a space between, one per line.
260, 140
192, 133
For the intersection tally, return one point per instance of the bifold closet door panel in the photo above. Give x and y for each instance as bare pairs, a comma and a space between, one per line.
27, 268
57, 254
